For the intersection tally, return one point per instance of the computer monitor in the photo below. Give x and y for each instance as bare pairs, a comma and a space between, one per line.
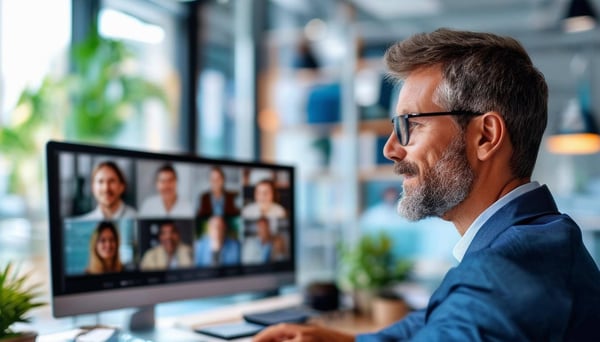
133, 229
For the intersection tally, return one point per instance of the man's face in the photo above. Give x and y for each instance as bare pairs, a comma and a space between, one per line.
107, 188
263, 231
106, 246
166, 184
169, 238
437, 174
216, 229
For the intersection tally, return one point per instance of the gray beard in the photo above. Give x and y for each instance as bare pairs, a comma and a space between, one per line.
444, 186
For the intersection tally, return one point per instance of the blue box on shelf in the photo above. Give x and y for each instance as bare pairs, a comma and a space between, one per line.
323, 104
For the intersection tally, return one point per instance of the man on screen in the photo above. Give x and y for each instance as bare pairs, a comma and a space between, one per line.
265, 246
108, 185
216, 247
469, 122
171, 253
167, 202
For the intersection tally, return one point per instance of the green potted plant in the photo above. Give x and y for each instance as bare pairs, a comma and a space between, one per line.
103, 91
368, 267
91, 103
17, 298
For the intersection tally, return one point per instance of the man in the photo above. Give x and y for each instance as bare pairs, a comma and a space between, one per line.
171, 253
167, 202
216, 248
108, 185
265, 246
466, 155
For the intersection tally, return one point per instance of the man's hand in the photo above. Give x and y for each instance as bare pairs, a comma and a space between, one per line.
294, 332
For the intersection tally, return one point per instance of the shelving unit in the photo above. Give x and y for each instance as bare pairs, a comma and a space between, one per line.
328, 150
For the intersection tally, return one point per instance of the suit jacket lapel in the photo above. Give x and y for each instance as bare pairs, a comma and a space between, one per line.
532, 204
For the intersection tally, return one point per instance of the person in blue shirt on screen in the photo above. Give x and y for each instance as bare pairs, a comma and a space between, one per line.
265, 246
469, 121
216, 248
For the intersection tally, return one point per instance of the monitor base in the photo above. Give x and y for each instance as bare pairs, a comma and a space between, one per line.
142, 319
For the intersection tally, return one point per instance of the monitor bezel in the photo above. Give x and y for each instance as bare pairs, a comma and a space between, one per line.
70, 304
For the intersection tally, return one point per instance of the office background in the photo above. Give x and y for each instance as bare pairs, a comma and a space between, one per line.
289, 81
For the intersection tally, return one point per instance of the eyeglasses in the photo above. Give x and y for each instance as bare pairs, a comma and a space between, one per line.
402, 124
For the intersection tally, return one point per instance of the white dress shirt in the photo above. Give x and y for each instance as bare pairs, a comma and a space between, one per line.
124, 211
465, 241
153, 207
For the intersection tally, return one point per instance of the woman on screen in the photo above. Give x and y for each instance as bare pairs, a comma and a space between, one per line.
264, 202
104, 250
217, 201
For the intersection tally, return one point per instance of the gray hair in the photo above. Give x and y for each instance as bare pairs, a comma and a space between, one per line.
482, 72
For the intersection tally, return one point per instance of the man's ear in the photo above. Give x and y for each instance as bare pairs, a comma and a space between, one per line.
490, 134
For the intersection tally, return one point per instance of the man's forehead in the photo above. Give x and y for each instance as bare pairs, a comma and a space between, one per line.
418, 90
106, 172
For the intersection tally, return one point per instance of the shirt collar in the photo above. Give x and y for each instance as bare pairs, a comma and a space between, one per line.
116, 215
465, 241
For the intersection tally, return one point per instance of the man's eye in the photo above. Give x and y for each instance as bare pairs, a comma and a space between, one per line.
412, 125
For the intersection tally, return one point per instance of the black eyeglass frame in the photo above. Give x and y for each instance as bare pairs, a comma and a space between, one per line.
401, 122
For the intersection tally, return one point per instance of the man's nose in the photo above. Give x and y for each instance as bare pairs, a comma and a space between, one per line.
392, 149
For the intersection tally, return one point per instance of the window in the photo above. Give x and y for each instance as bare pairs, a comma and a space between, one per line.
152, 31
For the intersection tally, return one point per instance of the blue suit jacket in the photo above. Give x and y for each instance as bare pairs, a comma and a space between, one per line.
525, 277
229, 255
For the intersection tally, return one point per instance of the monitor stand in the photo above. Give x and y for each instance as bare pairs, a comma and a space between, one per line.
135, 324
142, 326
142, 319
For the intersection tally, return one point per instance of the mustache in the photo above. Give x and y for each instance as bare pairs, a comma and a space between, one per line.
406, 168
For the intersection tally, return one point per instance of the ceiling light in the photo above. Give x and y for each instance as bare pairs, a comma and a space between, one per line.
580, 16
577, 133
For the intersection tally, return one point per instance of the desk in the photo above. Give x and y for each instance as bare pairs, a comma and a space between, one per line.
181, 328
344, 320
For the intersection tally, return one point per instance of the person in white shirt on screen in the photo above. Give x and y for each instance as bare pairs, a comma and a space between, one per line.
167, 202
108, 185
171, 253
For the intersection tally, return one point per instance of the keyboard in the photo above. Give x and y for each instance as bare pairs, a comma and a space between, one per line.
287, 315
232, 330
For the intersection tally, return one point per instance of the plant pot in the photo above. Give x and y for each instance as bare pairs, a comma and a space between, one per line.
386, 311
26, 336
363, 300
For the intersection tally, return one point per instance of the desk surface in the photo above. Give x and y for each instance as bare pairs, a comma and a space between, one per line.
181, 328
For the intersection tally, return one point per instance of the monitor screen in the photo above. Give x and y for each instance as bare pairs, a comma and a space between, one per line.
132, 229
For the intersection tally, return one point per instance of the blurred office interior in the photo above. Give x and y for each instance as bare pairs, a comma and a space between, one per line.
298, 82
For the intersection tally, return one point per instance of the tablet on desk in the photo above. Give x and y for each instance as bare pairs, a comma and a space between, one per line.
232, 330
